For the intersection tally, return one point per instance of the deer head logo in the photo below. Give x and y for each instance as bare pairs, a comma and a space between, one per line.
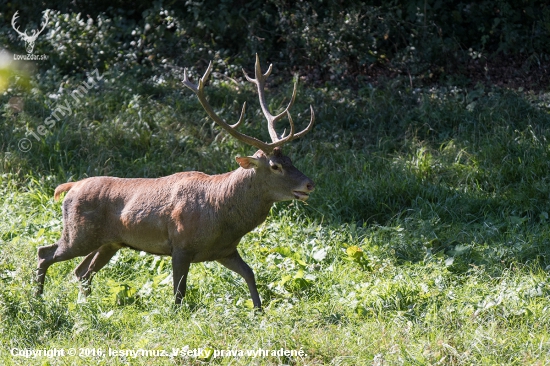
29, 39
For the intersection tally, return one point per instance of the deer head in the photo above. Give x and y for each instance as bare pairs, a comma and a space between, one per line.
29, 39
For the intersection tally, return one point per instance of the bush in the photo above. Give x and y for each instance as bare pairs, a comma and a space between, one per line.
326, 40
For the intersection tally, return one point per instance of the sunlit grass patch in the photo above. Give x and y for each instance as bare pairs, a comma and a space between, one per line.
425, 241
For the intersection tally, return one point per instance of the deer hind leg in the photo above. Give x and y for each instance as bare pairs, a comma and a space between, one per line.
45, 259
235, 263
64, 249
50, 254
92, 264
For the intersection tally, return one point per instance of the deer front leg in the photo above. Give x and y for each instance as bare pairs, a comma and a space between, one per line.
180, 268
235, 263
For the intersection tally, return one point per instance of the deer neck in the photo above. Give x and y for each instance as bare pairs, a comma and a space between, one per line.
242, 200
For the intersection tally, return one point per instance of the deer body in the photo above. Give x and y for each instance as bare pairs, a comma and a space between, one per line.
206, 215
191, 216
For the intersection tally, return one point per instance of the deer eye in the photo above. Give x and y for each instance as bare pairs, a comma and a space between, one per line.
275, 167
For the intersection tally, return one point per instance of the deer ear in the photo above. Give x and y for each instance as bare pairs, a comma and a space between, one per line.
247, 162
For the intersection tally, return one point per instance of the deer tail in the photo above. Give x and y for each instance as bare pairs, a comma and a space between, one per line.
62, 188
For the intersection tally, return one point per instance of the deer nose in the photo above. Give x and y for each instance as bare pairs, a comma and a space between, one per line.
310, 186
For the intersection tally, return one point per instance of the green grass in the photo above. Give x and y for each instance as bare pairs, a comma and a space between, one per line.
425, 242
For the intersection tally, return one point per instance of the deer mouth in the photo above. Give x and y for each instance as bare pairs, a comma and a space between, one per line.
299, 195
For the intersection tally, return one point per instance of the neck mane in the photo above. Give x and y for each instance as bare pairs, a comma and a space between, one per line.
240, 199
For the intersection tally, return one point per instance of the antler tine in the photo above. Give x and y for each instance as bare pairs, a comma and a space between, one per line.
206, 75
194, 87
241, 118
13, 19
260, 77
45, 21
291, 133
290, 104
189, 84
259, 81
292, 136
309, 126
199, 91
259, 69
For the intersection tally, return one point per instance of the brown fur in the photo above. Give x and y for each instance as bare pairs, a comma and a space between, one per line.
192, 216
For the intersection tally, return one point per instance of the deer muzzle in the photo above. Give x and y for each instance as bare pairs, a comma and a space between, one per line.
303, 192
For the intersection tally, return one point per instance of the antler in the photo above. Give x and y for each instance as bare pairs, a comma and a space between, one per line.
15, 16
259, 81
231, 129
35, 33
45, 23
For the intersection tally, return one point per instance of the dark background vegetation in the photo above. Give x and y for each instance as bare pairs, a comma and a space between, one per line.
501, 42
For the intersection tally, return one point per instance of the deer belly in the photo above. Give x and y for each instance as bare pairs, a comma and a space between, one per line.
145, 233
211, 250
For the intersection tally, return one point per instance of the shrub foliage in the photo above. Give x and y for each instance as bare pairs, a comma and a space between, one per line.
345, 40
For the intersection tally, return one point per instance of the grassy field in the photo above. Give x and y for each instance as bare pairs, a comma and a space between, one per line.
426, 241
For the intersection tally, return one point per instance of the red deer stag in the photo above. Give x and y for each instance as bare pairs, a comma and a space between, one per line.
191, 216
